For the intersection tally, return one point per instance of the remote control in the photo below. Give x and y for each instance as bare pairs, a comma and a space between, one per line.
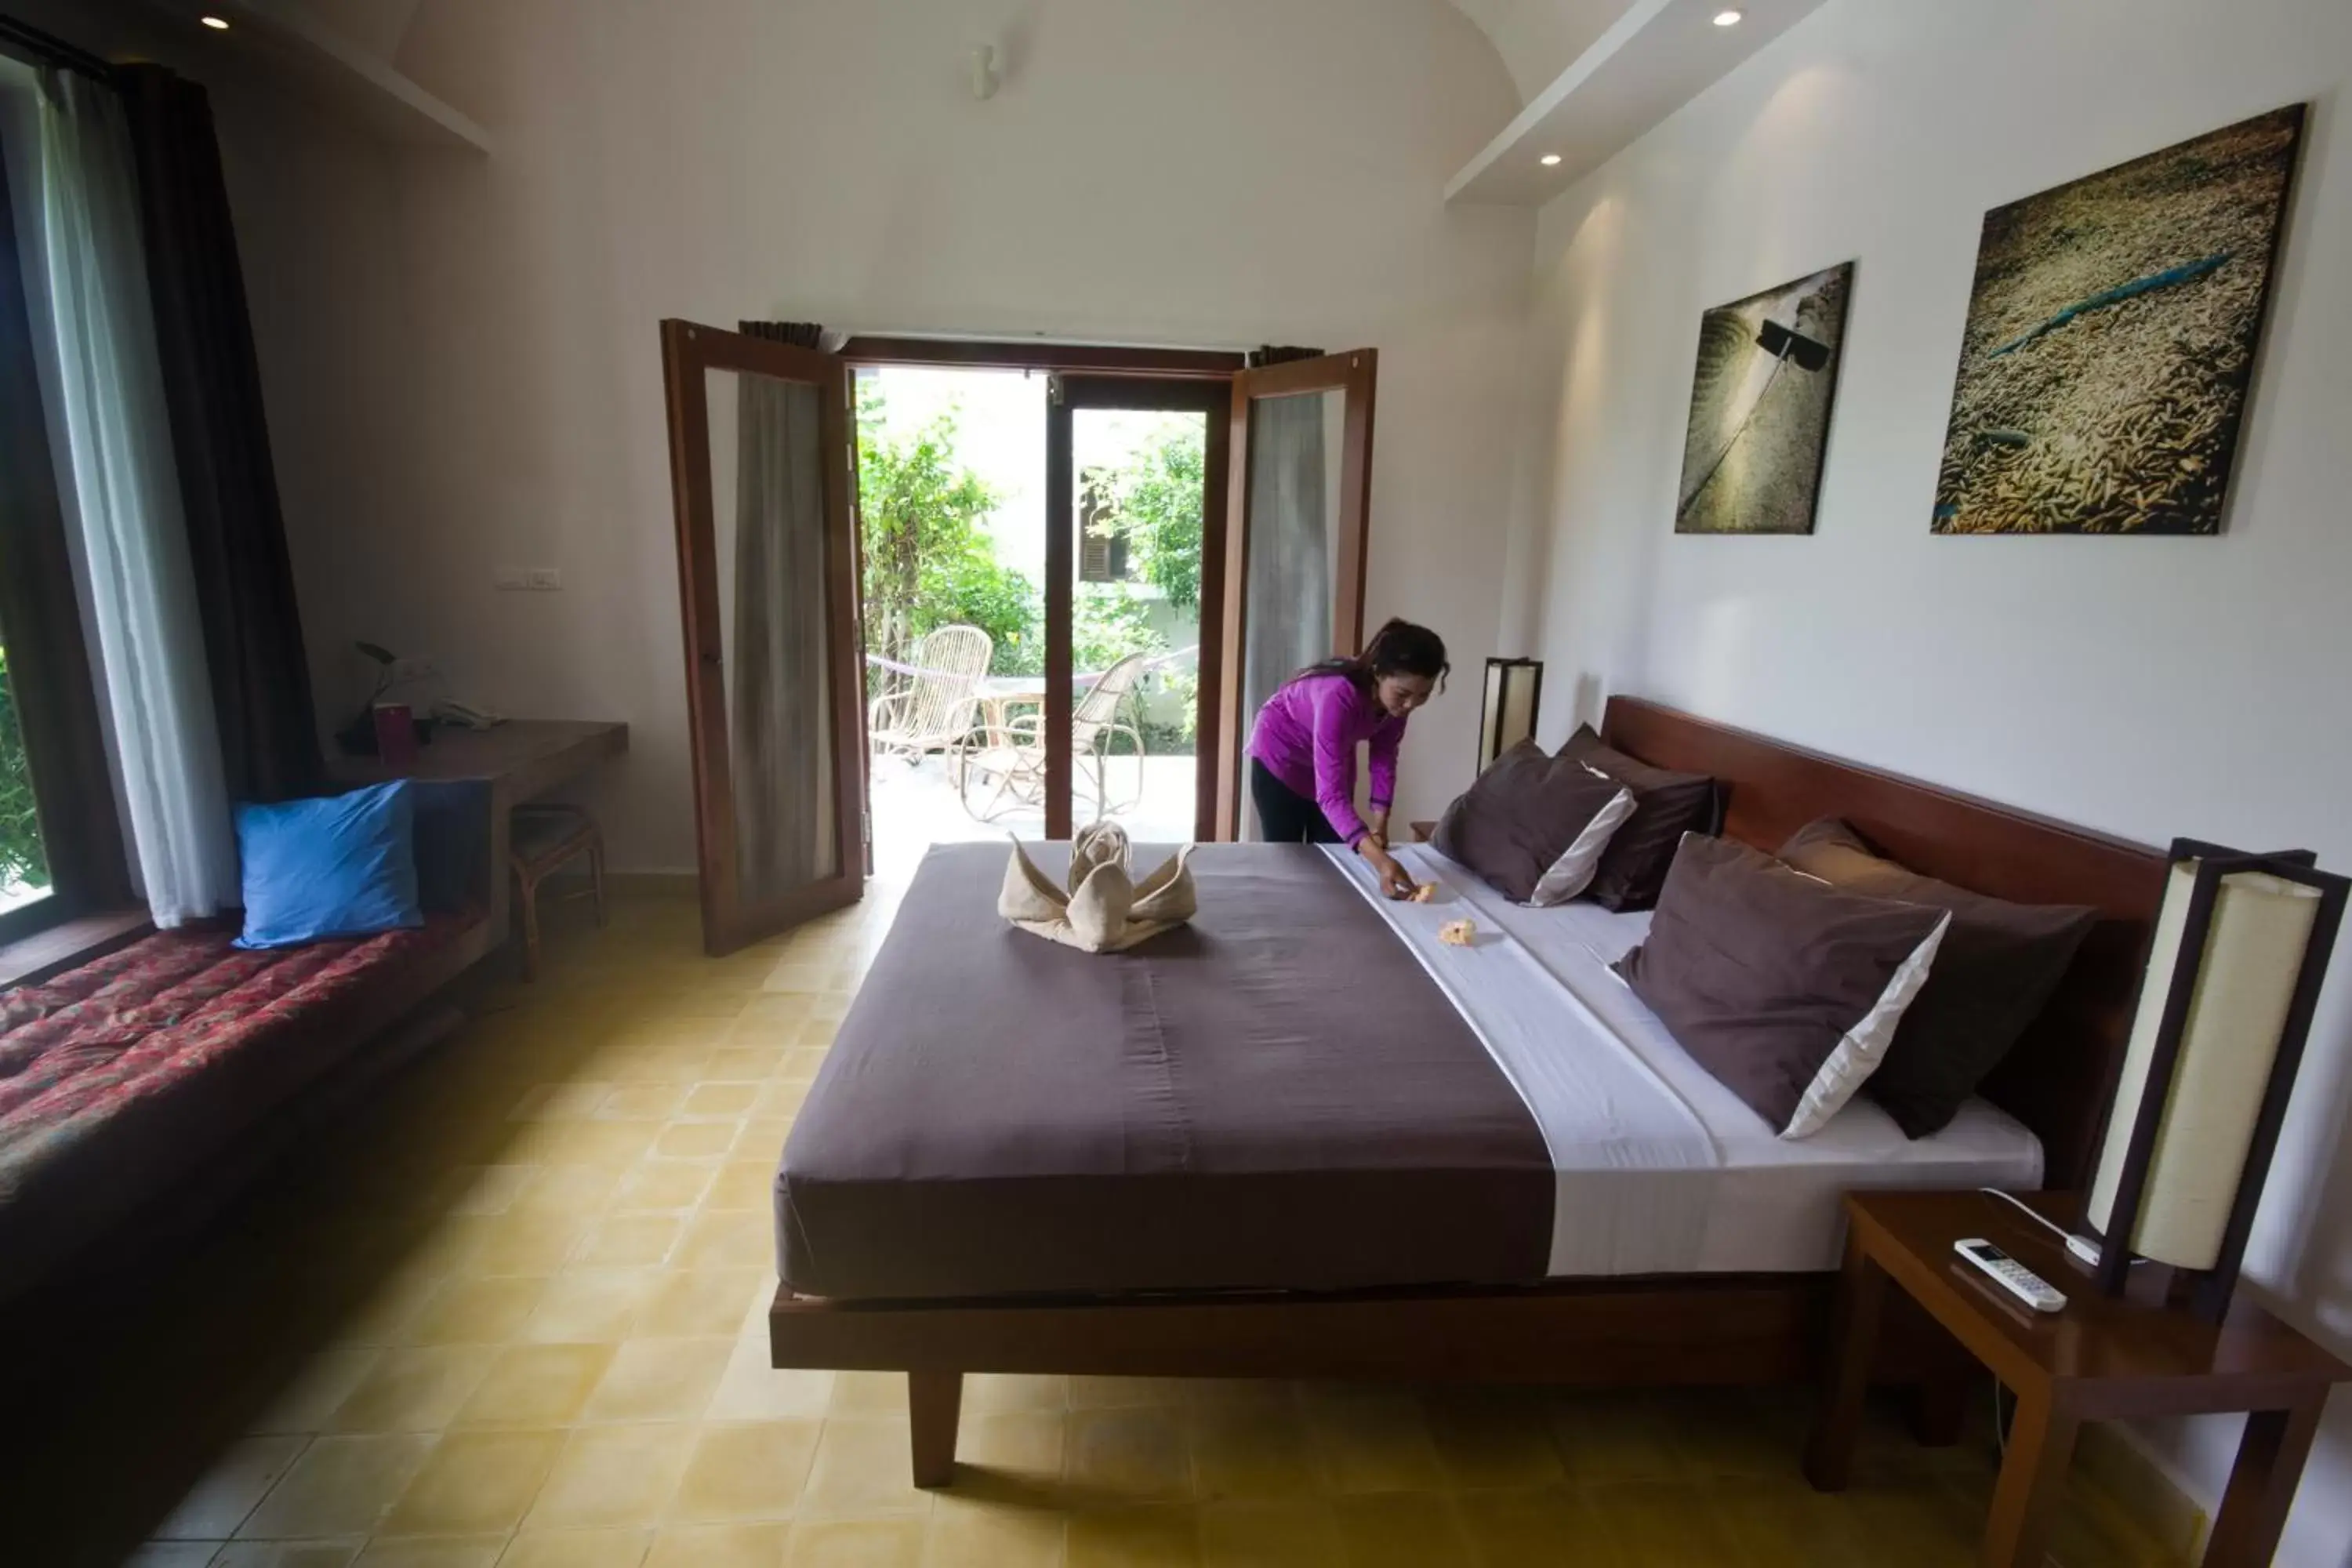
2010, 1275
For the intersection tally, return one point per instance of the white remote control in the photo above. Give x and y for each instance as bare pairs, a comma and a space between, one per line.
2010, 1275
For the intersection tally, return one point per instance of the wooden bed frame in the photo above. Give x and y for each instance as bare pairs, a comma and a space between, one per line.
1665, 1329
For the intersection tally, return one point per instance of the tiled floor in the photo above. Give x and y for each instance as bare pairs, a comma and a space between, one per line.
512, 1315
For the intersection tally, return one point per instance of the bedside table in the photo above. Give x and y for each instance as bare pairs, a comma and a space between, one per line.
2099, 1359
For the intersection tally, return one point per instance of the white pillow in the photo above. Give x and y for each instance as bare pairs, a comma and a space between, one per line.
1863, 1047
1572, 872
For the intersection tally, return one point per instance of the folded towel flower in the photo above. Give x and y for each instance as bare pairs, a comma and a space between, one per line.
1105, 911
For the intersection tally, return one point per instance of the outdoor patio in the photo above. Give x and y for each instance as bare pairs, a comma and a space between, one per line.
916, 807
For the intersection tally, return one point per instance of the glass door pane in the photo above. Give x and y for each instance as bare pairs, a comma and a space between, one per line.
1137, 514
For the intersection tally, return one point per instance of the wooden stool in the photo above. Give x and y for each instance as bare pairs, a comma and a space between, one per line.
541, 839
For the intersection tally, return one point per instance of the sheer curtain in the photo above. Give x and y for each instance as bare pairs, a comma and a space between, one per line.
128, 500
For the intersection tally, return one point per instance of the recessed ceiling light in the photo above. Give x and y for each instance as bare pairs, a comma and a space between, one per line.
1727, 18
218, 24
1548, 159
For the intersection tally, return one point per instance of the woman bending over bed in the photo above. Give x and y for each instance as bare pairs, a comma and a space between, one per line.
1302, 749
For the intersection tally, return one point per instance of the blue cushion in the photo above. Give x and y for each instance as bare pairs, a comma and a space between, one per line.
342, 865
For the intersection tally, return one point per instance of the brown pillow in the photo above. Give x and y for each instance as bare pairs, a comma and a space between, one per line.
1533, 825
1786, 989
1667, 805
1996, 969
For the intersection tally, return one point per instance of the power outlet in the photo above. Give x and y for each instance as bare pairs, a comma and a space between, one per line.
546, 580
413, 669
509, 579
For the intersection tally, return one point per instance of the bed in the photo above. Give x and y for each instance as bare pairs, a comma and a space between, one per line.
1244, 1150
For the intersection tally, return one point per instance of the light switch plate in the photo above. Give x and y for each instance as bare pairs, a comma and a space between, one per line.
546, 580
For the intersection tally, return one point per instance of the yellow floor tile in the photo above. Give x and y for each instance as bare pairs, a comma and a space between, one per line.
340, 1486
863, 1467
285, 1554
578, 1549
1134, 1538
239, 1479
1552, 1524
719, 1546
745, 1185
577, 1191
491, 1189
751, 1390
477, 1311
664, 1186
476, 1481
980, 1535
720, 1239
586, 1305
305, 1401
741, 1471
1295, 1532
1114, 1457
659, 1380
987, 1391
1492, 1437
413, 1388
869, 1394
445, 1552
536, 1385
703, 1302
1371, 1440
530, 1242
728, 1100
1027, 1444
612, 1477
641, 1101
739, 1061
856, 1543
1407, 1531
1244, 1452
696, 1140
1649, 1524
630, 1241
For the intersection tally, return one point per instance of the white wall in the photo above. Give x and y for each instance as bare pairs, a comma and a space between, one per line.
2148, 687
461, 359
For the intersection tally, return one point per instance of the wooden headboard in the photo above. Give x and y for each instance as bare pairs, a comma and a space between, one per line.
2058, 1079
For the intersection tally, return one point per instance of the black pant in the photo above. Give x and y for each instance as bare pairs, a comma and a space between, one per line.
1285, 815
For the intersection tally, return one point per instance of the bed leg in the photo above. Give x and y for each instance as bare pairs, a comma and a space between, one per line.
934, 1403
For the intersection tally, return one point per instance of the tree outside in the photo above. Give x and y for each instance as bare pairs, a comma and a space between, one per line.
23, 863
933, 556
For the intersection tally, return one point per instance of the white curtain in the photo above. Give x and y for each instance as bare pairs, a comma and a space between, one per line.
127, 495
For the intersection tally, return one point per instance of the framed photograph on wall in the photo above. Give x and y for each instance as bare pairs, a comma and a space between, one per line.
1759, 411
2111, 341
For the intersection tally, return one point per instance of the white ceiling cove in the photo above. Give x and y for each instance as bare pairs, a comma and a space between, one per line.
1540, 38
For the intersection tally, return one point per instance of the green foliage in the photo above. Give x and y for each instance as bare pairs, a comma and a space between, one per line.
1156, 501
23, 861
929, 561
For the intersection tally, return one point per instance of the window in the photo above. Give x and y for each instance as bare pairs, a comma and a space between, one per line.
60, 844
1102, 547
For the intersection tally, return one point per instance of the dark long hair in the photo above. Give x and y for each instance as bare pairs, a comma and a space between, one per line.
1399, 647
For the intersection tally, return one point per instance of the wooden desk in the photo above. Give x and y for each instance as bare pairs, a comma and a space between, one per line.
521, 760
2099, 1359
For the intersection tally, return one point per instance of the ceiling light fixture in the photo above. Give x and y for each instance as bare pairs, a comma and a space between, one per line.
218, 24
1727, 18
1548, 159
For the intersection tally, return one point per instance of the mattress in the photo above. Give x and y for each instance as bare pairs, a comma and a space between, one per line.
1274, 1096
1632, 1197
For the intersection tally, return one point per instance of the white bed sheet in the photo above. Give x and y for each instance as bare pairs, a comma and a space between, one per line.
1662, 1169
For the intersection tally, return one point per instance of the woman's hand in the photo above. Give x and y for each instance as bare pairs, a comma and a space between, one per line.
1393, 880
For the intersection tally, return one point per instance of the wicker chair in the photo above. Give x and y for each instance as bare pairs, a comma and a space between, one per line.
934, 710
1011, 766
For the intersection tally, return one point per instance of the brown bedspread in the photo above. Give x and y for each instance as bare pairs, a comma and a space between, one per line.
1275, 1096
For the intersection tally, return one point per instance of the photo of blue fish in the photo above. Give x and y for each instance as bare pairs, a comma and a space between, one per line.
2112, 335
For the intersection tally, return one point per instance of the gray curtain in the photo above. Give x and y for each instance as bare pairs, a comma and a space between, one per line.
783, 734
1289, 587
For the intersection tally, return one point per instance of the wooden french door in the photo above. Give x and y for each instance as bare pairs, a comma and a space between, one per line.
1298, 521
762, 476
1070, 398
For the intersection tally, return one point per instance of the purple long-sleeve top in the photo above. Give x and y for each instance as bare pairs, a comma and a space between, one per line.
1307, 736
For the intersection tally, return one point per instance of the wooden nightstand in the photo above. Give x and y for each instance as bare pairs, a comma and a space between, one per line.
2099, 1359
1422, 832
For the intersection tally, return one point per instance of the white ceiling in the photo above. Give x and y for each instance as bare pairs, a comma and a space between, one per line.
1540, 38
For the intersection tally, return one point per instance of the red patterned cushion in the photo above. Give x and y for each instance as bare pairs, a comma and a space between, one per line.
138, 1027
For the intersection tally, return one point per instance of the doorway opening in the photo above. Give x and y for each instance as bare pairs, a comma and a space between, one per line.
976, 487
